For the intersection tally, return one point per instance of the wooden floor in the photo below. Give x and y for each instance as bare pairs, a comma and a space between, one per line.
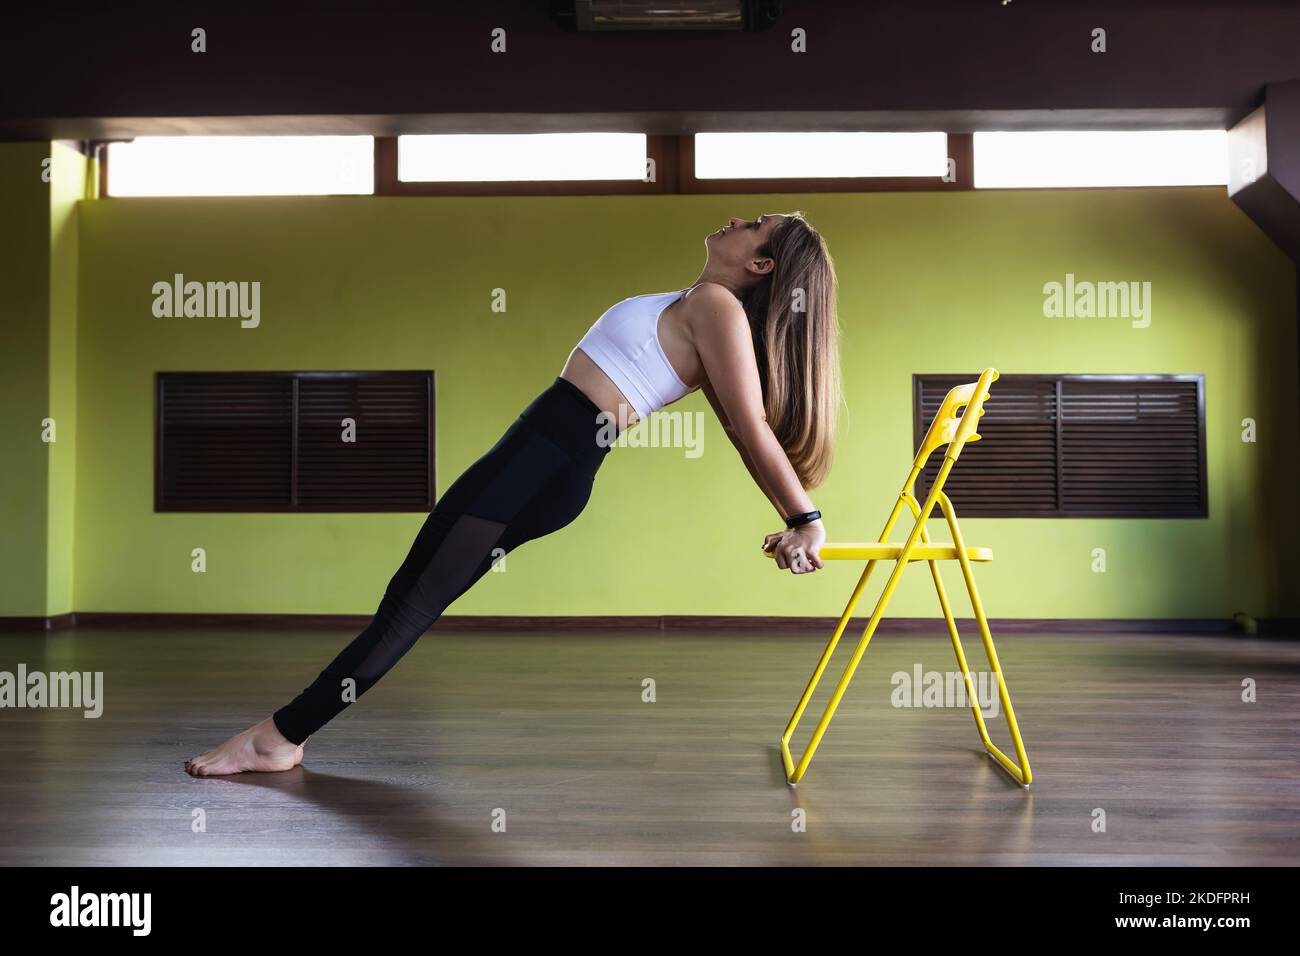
553, 731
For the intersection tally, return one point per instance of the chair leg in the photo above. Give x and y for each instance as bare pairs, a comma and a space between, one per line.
794, 773
961, 656
1022, 772
956, 644
1019, 770
817, 675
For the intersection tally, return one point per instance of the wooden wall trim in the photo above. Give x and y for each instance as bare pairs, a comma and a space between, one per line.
639, 624
21, 624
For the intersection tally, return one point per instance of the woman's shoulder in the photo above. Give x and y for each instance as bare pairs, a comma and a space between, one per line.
712, 314
710, 293
709, 299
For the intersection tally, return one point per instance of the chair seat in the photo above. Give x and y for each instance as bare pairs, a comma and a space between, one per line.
890, 550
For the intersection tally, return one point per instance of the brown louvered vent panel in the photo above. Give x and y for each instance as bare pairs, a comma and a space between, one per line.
1012, 468
224, 443
278, 441
1076, 446
1132, 449
388, 457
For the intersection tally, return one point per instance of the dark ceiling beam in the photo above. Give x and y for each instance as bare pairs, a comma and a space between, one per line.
691, 121
87, 70
1264, 166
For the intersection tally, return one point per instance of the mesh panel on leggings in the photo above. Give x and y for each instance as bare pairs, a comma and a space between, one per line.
458, 550
462, 557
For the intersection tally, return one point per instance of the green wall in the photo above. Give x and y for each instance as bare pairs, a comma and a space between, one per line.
69, 183
928, 282
38, 314
24, 376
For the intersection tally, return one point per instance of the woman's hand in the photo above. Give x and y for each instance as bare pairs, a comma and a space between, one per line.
797, 549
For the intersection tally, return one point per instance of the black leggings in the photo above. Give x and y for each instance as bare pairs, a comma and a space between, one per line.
536, 479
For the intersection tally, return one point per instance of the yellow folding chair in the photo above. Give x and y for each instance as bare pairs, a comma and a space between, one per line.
953, 431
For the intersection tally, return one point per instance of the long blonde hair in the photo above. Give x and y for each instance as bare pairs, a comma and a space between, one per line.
793, 321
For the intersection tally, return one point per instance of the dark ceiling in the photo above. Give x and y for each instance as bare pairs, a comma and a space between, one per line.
387, 67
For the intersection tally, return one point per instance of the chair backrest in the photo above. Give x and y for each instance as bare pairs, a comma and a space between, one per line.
947, 428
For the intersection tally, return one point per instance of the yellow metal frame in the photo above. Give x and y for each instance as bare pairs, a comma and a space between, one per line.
953, 431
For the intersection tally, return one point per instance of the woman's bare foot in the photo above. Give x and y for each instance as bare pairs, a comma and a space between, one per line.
259, 748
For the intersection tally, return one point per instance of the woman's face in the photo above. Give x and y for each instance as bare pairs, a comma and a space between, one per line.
737, 243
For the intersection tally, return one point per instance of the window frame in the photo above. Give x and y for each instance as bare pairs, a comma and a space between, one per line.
160, 378
674, 159
960, 151
919, 429
1130, 186
661, 149
97, 150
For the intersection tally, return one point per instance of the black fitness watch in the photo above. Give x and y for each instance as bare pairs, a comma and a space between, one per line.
795, 521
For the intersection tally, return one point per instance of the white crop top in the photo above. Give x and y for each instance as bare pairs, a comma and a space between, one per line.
624, 342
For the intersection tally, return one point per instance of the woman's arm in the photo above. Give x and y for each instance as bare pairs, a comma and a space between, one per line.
720, 332
712, 396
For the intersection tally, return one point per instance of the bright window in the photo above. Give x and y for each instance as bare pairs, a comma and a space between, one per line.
242, 166
1101, 158
520, 157
819, 155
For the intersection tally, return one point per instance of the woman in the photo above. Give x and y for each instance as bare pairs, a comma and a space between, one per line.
757, 332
